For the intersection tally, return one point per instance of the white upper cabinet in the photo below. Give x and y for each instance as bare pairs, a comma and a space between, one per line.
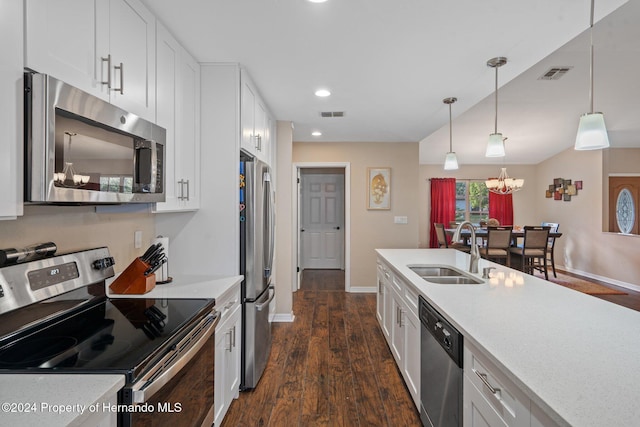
256, 132
132, 44
11, 101
61, 39
178, 111
104, 47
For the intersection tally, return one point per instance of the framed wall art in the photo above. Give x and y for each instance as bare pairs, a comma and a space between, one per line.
378, 188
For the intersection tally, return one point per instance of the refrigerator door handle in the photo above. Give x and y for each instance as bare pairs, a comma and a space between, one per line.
268, 226
261, 306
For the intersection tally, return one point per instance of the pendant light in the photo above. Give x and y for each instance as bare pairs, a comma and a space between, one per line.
592, 132
450, 161
495, 146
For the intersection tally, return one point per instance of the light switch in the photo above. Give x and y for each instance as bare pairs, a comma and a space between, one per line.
400, 220
137, 239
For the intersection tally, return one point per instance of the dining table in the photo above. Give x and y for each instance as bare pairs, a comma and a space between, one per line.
516, 233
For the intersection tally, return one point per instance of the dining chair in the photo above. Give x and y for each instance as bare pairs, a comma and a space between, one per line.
551, 243
498, 244
534, 249
442, 239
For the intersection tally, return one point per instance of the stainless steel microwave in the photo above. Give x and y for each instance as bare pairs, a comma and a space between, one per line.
80, 149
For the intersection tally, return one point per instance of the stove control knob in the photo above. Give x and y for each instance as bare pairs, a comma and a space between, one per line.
103, 263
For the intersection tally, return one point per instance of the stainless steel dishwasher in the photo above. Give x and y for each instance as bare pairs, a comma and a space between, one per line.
440, 370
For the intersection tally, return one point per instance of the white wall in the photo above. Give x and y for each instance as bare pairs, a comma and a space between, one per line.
584, 248
285, 253
371, 229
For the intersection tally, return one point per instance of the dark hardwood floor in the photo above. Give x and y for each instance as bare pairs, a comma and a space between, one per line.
330, 367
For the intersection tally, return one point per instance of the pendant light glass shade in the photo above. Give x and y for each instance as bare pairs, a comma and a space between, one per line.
450, 160
495, 146
592, 133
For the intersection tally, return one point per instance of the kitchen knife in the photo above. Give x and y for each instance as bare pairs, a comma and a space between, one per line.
148, 252
155, 266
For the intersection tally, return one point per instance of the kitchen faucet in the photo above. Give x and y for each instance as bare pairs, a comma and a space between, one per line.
475, 253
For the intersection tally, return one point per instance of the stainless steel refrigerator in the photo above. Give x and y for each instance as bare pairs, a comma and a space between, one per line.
256, 260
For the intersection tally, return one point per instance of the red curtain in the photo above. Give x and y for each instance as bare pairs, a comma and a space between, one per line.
443, 205
501, 208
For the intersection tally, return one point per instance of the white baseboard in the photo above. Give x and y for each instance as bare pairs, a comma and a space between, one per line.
620, 283
363, 289
282, 317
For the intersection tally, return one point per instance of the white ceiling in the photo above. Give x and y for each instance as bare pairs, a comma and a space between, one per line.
390, 63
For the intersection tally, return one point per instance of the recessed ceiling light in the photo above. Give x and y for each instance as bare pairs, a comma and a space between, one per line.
322, 93
316, 133
317, 1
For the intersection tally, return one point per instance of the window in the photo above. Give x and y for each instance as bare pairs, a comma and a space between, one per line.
472, 201
116, 184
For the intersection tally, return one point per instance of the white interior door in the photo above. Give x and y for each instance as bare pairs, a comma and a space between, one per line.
322, 220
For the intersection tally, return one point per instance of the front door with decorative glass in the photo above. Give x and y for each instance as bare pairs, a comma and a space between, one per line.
624, 193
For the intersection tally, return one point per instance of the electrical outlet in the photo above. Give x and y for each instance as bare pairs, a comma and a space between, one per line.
400, 220
137, 239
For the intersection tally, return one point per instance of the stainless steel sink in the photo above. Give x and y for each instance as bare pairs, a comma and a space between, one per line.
453, 280
434, 271
444, 275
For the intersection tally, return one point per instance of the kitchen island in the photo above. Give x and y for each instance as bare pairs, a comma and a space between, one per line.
573, 355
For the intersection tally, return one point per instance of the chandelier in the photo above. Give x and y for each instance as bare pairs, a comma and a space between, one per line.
503, 184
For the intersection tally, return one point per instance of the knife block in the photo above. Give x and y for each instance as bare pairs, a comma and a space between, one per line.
133, 281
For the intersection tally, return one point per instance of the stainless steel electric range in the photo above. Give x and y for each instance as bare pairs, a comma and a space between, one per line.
55, 318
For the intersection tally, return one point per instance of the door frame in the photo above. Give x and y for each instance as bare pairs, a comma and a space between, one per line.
296, 214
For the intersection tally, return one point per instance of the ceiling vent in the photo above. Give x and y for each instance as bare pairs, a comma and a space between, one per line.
332, 114
554, 73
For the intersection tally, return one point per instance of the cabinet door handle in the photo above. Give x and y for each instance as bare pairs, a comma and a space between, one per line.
234, 336
108, 61
182, 183
121, 68
228, 333
485, 380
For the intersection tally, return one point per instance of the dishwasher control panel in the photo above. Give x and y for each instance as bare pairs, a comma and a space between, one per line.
444, 332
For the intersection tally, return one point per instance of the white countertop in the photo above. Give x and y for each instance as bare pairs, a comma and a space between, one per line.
54, 400
186, 286
575, 355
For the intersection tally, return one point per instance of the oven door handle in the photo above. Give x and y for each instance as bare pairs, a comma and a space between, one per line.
172, 362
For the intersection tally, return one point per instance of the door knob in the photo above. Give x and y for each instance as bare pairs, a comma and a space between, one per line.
302, 230
337, 228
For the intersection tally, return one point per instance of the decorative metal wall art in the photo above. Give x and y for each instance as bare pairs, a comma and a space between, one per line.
563, 189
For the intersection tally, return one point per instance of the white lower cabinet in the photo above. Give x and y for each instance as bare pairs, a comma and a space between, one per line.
401, 326
491, 399
227, 357
384, 302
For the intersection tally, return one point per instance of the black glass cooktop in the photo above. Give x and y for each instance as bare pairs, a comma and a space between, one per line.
106, 335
